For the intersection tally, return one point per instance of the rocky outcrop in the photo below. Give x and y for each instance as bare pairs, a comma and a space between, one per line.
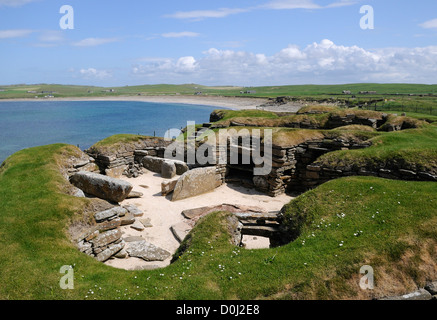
104, 187
195, 182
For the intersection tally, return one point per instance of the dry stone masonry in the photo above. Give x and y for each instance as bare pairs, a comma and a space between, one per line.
105, 239
126, 159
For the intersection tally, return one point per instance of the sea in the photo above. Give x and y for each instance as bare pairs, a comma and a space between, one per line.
25, 124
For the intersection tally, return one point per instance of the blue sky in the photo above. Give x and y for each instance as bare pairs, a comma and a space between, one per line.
238, 42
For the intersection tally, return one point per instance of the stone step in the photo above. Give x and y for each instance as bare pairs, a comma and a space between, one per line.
256, 216
261, 231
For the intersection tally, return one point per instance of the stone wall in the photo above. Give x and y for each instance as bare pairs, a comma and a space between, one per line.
289, 165
131, 158
319, 173
105, 239
126, 159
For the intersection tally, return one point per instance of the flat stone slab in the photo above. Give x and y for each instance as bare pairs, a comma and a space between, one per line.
110, 214
146, 222
167, 186
106, 238
133, 239
137, 225
180, 230
109, 225
146, 251
127, 219
101, 186
195, 182
154, 164
420, 294
233, 208
134, 195
134, 210
110, 251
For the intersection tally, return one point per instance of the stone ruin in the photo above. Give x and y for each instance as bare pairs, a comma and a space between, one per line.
295, 168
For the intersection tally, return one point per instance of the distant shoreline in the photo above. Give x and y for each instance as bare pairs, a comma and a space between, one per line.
215, 101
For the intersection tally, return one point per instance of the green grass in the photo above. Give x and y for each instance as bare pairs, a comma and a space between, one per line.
230, 114
388, 97
266, 91
397, 220
317, 117
409, 148
419, 116
117, 141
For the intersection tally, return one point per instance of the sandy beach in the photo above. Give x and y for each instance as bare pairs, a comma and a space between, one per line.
218, 101
236, 103
163, 213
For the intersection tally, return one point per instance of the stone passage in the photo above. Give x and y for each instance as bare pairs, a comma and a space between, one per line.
249, 220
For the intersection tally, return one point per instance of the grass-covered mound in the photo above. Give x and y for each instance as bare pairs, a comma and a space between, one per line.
389, 225
414, 149
119, 143
316, 117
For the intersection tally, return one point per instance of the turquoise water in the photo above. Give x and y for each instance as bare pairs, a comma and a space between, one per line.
83, 123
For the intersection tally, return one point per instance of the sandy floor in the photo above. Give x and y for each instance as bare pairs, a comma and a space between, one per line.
164, 213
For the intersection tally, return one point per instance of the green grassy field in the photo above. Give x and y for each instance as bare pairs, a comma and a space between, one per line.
388, 97
20, 91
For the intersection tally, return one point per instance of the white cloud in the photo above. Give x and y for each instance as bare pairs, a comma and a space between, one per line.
51, 36
270, 5
203, 14
291, 4
92, 73
15, 3
186, 64
341, 3
180, 34
324, 62
17, 33
431, 24
92, 42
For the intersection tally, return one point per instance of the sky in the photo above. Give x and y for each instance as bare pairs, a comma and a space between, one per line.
225, 42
